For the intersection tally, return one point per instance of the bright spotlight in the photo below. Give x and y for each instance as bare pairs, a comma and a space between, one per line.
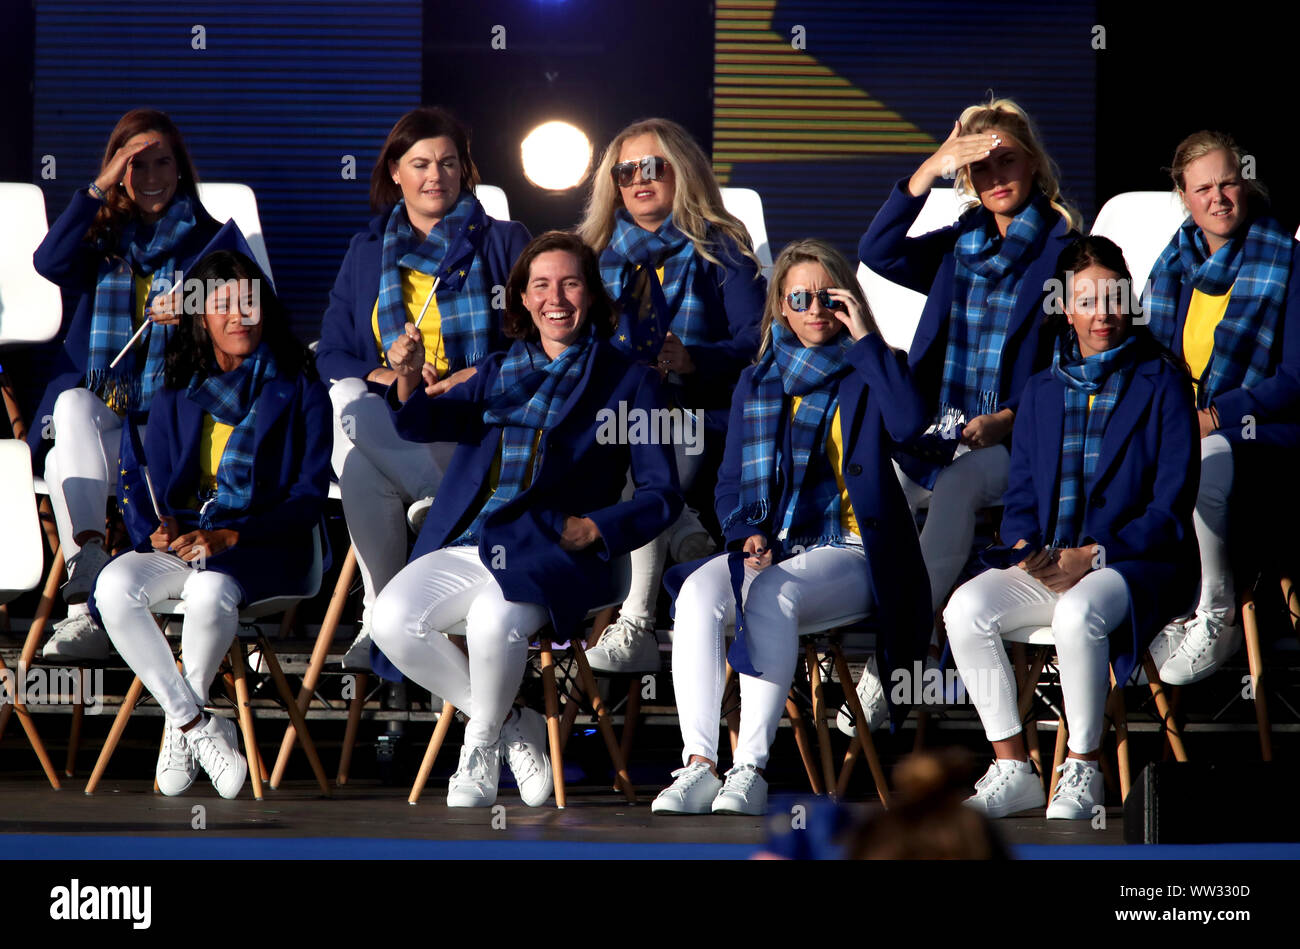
556, 156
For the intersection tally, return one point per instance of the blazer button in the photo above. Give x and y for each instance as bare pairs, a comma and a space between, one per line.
855, 469
869, 523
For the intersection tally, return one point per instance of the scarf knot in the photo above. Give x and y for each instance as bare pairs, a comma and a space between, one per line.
629, 266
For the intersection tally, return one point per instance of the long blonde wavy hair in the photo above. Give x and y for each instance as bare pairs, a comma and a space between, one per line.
697, 201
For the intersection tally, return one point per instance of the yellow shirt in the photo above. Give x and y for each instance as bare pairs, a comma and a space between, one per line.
142, 285
835, 451
494, 473
1204, 314
416, 289
212, 445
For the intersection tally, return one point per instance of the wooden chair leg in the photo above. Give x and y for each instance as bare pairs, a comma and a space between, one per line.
115, 733
319, 654
568, 719
731, 702
1030, 726
819, 714
846, 770
356, 705
431, 753
33, 737
602, 619
603, 723
245, 711
74, 733
1119, 715
1254, 656
803, 744
552, 700
295, 713
1058, 758
863, 733
1025, 687
1162, 707
43, 610
631, 715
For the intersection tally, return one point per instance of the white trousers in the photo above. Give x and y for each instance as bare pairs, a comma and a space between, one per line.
1082, 618
976, 479
129, 585
1218, 597
380, 474
437, 592
81, 467
818, 584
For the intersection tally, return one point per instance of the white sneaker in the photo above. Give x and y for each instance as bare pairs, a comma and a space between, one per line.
176, 768
693, 791
83, 568
524, 746
1164, 645
687, 539
871, 695
357, 657
78, 637
1008, 787
475, 782
215, 745
625, 646
1207, 645
743, 794
416, 514
1079, 789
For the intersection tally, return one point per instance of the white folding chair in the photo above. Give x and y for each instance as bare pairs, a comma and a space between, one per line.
1141, 223
31, 308
747, 204
228, 200
494, 201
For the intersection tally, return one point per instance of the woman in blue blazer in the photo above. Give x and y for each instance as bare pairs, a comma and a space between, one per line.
978, 339
814, 519
532, 510
684, 270
1224, 296
238, 455
1099, 509
432, 257
114, 251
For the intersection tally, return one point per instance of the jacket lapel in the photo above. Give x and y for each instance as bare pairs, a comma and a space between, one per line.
1050, 434
1130, 410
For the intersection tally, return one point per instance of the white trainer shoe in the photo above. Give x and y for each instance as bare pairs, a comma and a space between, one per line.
1008, 787
626, 646
1165, 644
1208, 644
692, 792
83, 568
524, 747
871, 695
475, 782
78, 637
1079, 789
357, 658
687, 539
176, 768
215, 745
743, 794
417, 513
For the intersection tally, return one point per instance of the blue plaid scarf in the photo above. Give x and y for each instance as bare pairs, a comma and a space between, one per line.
1255, 266
632, 248
527, 396
1105, 375
111, 328
452, 253
232, 398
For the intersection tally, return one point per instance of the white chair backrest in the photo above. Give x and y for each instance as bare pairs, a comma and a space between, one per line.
225, 200
1141, 223
494, 201
747, 204
896, 308
31, 308
21, 556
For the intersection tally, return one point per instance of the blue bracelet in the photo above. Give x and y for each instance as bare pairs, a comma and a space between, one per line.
95, 190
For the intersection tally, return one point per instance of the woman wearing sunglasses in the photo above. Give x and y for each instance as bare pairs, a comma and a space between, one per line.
433, 258
815, 523
655, 214
978, 339
1099, 507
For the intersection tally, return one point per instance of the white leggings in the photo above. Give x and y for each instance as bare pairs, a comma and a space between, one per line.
819, 584
129, 585
976, 479
1218, 598
1081, 620
81, 467
435, 593
380, 474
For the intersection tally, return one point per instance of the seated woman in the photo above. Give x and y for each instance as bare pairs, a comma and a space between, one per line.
1103, 475
1224, 295
978, 339
431, 257
533, 512
114, 250
655, 207
238, 453
807, 492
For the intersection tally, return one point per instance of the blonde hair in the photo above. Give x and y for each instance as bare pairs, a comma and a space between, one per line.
1008, 117
809, 250
697, 201
1202, 143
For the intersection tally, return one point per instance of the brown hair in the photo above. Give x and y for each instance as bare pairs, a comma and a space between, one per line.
517, 323
415, 126
1202, 143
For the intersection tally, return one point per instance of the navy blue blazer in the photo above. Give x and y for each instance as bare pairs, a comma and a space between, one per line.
576, 475
291, 477
67, 259
879, 409
347, 336
1273, 403
927, 265
1138, 505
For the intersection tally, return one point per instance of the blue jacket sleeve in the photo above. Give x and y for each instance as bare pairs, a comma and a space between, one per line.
64, 257
1020, 501
336, 355
726, 496
885, 370
886, 248
743, 291
454, 416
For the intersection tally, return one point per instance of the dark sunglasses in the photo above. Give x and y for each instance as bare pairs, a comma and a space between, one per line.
652, 169
801, 300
